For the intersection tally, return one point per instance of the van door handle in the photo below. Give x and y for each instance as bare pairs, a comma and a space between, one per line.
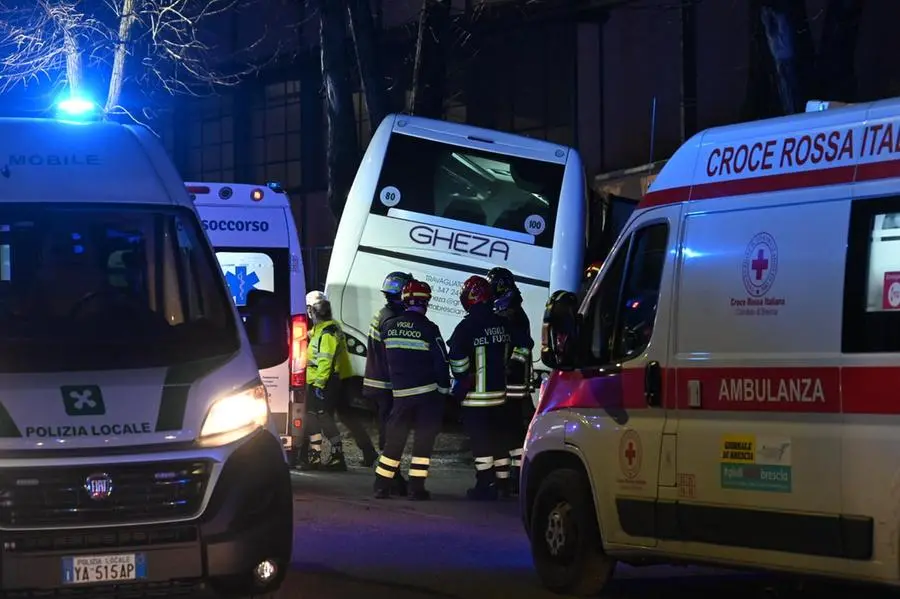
653, 384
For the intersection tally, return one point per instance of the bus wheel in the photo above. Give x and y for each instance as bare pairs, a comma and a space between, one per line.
565, 540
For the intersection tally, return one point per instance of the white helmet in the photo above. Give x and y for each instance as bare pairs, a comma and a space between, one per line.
315, 297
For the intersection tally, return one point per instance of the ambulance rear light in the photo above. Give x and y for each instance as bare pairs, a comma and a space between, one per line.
297, 360
256, 195
197, 189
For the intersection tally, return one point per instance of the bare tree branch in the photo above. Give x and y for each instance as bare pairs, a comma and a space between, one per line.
156, 43
45, 39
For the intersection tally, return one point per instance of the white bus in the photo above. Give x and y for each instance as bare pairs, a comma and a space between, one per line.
444, 201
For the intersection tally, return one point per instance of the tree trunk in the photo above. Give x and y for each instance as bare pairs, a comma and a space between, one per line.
836, 62
430, 69
362, 26
342, 145
758, 94
790, 43
117, 76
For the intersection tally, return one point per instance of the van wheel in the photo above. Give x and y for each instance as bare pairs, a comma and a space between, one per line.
565, 540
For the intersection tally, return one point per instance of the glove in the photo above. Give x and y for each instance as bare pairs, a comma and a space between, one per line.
459, 387
318, 400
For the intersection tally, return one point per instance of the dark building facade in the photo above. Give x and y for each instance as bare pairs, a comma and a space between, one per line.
604, 76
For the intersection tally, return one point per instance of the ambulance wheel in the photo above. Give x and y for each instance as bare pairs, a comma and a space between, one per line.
565, 539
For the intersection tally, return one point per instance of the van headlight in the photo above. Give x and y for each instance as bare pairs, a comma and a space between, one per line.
243, 411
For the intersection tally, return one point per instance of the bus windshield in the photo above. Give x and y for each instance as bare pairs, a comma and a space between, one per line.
108, 287
517, 195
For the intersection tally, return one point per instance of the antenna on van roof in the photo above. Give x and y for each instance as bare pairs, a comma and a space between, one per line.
820, 105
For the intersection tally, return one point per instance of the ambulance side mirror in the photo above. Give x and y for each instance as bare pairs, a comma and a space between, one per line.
268, 328
561, 332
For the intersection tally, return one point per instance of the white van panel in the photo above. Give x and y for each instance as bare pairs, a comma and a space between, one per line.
723, 306
245, 226
99, 163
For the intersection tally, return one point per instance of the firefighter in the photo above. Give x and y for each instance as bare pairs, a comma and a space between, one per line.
508, 305
377, 384
479, 350
327, 357
420, 380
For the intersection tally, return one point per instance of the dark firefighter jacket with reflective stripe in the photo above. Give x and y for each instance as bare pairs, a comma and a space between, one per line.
518, 370
479, 350
416, 356
377, 379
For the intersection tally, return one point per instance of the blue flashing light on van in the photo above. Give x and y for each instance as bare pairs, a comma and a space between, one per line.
77, 108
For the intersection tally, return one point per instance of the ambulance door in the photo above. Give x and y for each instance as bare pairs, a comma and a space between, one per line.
758, 338
626, 322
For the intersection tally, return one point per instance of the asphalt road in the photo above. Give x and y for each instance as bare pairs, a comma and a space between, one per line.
350, 546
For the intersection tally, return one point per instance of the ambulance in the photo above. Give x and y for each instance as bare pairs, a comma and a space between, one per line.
728, 392
252, 230
138, 453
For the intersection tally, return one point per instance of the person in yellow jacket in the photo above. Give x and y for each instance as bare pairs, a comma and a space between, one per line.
328, 358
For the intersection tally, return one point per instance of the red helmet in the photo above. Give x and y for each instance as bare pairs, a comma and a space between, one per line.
416, 293
476, 290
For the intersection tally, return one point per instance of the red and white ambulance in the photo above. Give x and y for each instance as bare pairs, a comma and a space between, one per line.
728, 392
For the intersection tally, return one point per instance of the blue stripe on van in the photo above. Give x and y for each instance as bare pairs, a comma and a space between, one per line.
444, 264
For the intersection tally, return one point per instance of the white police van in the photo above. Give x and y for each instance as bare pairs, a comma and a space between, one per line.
252, 230
138, 450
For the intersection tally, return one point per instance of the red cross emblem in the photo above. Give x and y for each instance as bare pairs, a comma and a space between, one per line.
630, 453
760, 264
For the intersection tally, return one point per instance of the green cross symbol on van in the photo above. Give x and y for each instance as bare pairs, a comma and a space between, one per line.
84, 400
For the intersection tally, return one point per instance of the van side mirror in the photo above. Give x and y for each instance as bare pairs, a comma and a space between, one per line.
561, 331
268, 328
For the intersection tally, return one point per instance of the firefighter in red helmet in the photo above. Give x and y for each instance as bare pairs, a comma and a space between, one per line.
479, 350
419, 381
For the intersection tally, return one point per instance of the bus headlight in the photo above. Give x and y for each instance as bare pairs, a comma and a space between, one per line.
247, 409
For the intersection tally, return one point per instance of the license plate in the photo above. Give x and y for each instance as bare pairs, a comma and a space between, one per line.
89, 569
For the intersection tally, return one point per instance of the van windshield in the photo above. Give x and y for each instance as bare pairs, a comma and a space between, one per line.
97, 288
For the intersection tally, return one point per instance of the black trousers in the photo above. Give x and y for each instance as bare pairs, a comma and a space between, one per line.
349, 418
488, 430
423, 414
384, 401
516, 429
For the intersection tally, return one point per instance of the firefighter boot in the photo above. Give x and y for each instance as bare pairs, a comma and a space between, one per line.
312, 461
336, 462
417, 490
485, 488
370, 456
514, 482
383, 487
504, 488
398, 486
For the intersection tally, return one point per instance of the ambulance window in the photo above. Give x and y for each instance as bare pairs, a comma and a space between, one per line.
872, 282
640, 293
600, 319
248, 268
